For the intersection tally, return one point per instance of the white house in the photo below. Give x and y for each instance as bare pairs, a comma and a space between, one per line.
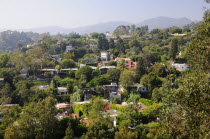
105, 55
140, 87
69, 48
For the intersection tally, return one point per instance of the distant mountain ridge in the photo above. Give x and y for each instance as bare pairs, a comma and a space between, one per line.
158, 22
165, 22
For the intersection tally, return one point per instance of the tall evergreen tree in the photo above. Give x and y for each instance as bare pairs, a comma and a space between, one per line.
103, 43
69, 132
140, 69
174, 48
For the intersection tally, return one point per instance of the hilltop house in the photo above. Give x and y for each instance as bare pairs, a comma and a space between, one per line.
131, 65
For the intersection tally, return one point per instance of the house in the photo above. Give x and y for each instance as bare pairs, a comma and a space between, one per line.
68, 48
116, 95
105, 55
67, 70
139, 87
89, 60
52, 71
31, 45
62, 115
82, 65
147, 37
125, 37
24, 72
179, 67
112, 113
110, 36
62, 106
55, 57
113, 87
104, 69
131, 65
43, 87
92, 46
178, 35
94, 68
86, 121
75, 115
58, 43
88, 93
62, 90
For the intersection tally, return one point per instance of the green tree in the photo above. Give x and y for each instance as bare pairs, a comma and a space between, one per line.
85, 70
120, 45
111, 43
176, 30
114, 74
133, 29
96, 73
68, 63
140, 31
36, 121
151, 81
53, 84
140, 69
103, 43
174, 48
159, 69
6, 94
189, 115
95, 35
127, 78
122, 30
198, 53
99, 129
69, 132
4, 59
76, 96
135, 43
121, 65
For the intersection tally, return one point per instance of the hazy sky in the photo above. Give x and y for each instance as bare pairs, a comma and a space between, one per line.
16, 14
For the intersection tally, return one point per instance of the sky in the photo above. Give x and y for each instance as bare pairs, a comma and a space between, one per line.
22, 14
